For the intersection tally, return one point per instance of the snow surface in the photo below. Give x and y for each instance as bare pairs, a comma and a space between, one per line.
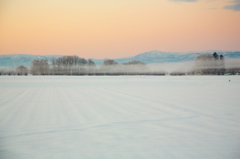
138, 117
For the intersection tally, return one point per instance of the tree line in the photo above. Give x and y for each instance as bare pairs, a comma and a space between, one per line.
214, 64
74, 65
20, 71
205, 64
65, 65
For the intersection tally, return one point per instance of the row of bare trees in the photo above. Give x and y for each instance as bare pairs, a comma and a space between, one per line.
70, 65
20, 71
65, 65
74, 65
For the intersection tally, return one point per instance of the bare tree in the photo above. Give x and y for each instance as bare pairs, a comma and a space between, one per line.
53, 65
40, 67
91, 63
109, 62
21, 70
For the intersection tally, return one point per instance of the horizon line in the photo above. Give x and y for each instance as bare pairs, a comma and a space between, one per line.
187, 52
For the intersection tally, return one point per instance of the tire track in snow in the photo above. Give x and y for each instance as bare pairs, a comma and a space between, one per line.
149, 103
172, 107
91, 127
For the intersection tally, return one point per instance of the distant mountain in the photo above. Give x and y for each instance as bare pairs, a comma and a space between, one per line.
15, 60
154, 56
164, 57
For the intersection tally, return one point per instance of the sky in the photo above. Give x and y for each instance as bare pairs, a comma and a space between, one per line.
113, 29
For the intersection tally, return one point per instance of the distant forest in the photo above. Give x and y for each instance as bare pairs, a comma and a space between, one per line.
205, 64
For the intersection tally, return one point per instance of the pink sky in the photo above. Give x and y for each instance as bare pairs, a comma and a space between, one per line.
112, 29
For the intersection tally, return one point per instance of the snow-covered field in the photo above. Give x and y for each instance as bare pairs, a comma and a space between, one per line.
138, 117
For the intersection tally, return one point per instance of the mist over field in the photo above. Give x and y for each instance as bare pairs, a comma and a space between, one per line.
204, 64
189, 66
232, 63
172, 67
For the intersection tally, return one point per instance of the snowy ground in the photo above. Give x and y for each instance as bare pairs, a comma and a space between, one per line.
143, 117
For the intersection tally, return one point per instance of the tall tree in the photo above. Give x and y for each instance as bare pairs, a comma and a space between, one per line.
21, 70
40, 67
91, 63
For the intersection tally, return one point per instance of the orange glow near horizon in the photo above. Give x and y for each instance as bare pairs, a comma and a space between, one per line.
107, 29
